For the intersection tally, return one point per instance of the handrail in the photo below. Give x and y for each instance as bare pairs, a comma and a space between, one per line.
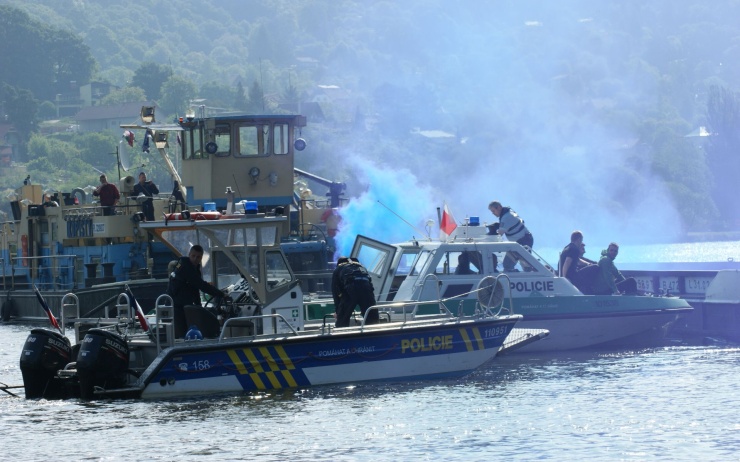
16, 264
262, 316
75, 303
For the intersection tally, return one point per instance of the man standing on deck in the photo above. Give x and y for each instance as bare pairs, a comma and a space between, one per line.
149, 189
513, 227
109, 196
186, 282
351, 286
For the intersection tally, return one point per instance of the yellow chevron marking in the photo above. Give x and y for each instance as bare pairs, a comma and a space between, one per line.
466, 339
478, 338
237, 362
286, 360
260, 374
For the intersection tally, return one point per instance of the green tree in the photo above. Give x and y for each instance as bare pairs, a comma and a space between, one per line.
124, 95
723, 150
241, 102
151, 77
256, 99
22, 109
218, 95
176, 95
43, 59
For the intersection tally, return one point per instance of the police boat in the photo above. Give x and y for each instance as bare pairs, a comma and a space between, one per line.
430, 270
255, 339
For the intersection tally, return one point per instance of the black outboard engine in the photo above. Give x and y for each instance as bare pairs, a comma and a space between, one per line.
45, 352
102, 362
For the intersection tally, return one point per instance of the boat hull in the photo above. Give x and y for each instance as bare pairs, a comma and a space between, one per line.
403, 352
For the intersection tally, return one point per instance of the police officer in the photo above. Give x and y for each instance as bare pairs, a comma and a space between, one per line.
513, 227
351, 286
186, 282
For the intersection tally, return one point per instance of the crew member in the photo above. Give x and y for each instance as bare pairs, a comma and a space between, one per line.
149, 189
186, 282
513, 227
612, 281
351, 286
109, 196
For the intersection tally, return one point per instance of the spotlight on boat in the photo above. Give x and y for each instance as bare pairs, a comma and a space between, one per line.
147, 114
254, 173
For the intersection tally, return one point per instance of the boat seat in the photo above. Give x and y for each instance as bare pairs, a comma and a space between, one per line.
206, 321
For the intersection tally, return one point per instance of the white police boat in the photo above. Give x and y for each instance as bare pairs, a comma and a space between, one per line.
256, 340
426, 270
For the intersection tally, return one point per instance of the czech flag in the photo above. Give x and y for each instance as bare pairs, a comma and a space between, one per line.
52, 319
128, 135
139, 312
447, 225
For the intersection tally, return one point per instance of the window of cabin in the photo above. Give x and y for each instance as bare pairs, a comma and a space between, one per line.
249, 140
222, 138
420, 262
281, 138
193, 145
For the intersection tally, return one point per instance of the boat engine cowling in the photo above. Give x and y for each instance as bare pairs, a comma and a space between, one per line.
102, 361
44, 353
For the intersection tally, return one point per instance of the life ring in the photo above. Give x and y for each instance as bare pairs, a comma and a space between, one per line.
83, 195
24, 249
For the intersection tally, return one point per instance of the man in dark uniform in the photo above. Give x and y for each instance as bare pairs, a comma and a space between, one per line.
351, 286
186, 282
148, 189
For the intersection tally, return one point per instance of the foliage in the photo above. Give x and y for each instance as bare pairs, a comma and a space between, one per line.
123, 95
177, 93
150, 77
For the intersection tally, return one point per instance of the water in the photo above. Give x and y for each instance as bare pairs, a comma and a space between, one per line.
675, 402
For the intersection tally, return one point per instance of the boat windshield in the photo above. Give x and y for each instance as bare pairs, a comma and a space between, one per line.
420, 262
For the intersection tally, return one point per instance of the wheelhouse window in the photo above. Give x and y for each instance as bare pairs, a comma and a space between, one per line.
192, 145
278, 273
281, 138
222, 138
420, 262
249, 141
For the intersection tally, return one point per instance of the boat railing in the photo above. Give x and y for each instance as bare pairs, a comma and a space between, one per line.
248, 321
48, 272
164, 321
72, 303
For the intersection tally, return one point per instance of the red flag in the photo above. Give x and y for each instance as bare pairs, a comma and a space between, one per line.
130, 138
52, 319
139, 311
448, 225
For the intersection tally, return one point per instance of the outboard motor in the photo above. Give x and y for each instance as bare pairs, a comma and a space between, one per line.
102, 362
45, 352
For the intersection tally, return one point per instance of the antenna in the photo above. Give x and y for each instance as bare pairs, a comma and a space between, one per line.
262, 87
399, 216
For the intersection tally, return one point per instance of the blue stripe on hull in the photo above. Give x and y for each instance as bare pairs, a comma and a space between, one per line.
397, 354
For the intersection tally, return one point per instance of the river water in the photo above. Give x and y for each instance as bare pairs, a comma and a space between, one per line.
674, 402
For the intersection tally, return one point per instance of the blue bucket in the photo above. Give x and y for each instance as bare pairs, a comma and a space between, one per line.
209, 207
250, 207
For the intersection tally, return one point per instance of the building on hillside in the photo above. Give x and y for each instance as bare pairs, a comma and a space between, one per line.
98, 118
69, 103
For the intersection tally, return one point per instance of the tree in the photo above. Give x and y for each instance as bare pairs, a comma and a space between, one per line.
43, 59
241, 102
176, 95
723, 150
256, 99
124, 95
150, 77
22, 110
218, 95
